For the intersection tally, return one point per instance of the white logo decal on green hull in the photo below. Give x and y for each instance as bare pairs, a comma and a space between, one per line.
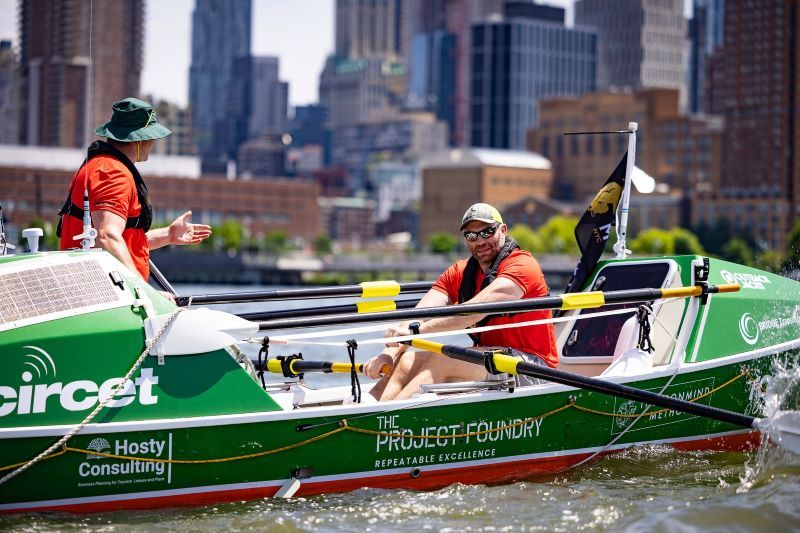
747, 281
749, 329
80, 395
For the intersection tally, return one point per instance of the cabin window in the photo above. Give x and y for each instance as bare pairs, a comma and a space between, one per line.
597, 337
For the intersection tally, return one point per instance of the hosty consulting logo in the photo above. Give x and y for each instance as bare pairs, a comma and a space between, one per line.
126, 466
39, 389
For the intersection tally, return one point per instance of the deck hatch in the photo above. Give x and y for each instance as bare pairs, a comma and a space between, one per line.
52, 289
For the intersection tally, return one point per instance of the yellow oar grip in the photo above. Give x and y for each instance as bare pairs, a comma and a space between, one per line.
728, 287
505, 363
379, 289
679, 292
582, 300
376, 307
274, 366
428, 346
343, 367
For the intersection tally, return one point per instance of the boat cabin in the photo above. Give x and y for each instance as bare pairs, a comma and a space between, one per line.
597, 341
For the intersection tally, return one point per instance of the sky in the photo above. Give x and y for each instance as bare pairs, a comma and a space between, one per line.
299, 32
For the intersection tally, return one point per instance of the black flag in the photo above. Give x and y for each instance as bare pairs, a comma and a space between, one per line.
595, 225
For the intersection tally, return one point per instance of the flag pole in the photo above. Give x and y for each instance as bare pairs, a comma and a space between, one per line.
622, 227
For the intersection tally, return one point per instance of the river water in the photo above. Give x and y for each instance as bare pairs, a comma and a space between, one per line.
649, 488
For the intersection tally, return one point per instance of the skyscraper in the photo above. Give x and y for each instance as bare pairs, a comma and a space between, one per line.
65, 92
220, 34
517, 61
754, 87
439, 57
257, 103
705, 37
641, 43
369, 28
9, 94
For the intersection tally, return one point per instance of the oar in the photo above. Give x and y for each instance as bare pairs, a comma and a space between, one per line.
161, 280
576, 300
785, 425
293, 366
360, 307
368, 289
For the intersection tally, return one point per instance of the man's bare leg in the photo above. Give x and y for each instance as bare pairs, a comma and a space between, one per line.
418, 368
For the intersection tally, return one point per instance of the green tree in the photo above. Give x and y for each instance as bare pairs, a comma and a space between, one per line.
771, 261
738, 251
792, 260
557, 235
714, 237
230, 235
49, 239
442, 242
276, 242
686, 243
323, 244
653, 241
527, 238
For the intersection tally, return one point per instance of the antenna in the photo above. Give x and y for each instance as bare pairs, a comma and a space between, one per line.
89, 233
4, 245
622, 223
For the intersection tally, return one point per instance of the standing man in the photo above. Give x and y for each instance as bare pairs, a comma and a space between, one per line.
118, 198
497, 271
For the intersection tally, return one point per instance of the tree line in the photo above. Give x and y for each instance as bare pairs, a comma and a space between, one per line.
557, 236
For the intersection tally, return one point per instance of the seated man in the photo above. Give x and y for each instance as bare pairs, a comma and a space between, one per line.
498, 270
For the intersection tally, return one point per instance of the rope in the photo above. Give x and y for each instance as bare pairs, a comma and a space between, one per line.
355, 385
261, 365
345, 426
117, 389
643, 316
215, 460
460, 435
646, 412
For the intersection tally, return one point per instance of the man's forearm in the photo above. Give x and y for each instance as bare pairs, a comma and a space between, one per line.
116, 246
157, 238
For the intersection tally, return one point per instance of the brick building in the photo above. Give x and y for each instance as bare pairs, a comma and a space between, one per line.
754, 85
681, 151
455, 179
34, 180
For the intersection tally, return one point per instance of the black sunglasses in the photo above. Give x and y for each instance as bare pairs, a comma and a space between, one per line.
472, 236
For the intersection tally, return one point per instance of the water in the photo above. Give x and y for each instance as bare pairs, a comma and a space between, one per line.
648, 488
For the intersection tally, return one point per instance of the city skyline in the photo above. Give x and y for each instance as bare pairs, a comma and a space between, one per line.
277, 27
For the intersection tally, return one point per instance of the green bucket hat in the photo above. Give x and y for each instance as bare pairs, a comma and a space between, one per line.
133, 120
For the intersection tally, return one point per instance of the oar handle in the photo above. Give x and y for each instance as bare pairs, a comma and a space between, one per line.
727, 287
294, 366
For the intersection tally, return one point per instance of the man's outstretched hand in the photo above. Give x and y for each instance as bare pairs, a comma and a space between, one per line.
181, 231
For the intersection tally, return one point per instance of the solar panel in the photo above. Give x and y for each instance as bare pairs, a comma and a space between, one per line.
52, 289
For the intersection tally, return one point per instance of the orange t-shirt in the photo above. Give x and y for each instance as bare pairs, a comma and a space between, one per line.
111, 188
521, 268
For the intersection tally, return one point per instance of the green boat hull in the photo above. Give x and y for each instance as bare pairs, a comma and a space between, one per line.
199, 429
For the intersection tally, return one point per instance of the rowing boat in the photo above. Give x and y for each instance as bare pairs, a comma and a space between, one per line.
190, 424
112, 397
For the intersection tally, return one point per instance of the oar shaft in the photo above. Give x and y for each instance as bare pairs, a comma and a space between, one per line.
371, 289
331, 310
512, 365
300, 366
578, 300
161, 280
